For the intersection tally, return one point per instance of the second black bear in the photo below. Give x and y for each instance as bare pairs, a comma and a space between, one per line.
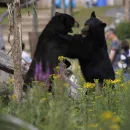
90, 49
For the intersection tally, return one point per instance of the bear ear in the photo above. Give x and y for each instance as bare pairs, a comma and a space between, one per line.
93, 14
57, 13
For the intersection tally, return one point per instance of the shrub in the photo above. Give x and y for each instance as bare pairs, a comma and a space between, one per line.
123, 30
98, 110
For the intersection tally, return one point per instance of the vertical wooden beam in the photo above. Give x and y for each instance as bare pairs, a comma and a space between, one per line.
70, 7
127, 10
53, 8
33, 39
124, 3
63, 5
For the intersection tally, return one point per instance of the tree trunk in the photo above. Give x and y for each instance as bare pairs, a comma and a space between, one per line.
127, 10
17, 50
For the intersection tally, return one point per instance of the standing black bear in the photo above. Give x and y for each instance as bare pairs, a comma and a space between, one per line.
99, 65
49, 49
90, 49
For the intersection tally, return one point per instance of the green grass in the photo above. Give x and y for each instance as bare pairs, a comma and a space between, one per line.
84, 14
98, 110
81, 15
2, 10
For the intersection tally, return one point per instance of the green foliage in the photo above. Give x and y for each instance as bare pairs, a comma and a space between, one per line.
123, 30
99, 109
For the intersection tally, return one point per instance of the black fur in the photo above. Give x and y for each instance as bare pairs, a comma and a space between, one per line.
91, 51
49, 48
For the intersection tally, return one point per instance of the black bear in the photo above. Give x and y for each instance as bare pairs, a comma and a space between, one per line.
49, 49
90, 49
99, 65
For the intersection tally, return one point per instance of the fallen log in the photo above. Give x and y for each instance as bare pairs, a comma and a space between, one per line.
6, 63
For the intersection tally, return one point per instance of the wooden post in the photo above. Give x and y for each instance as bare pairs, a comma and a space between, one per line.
127, 10
17, 50
33, 39
53, 8
123, 2
70, 7
63, 5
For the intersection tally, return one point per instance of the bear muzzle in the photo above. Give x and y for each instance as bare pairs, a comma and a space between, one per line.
85, 30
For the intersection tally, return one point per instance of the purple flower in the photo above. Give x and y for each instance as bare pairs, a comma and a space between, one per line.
39, 75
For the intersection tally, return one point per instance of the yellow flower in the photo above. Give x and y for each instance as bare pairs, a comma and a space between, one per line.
56, 76
93, 125
106, 115
113, 81
117, 72
122, 85
89, 85
43, 100
57, 67
66, 85
114, 127
79, 67
13, 97
11, 80
116, 119
61, 58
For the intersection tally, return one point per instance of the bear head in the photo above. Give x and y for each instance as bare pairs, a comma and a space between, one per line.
63, 23
93, 26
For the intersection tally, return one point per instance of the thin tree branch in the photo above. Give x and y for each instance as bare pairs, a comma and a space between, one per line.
21, 6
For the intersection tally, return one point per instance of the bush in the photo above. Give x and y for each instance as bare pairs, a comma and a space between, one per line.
123, 30
98, 109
